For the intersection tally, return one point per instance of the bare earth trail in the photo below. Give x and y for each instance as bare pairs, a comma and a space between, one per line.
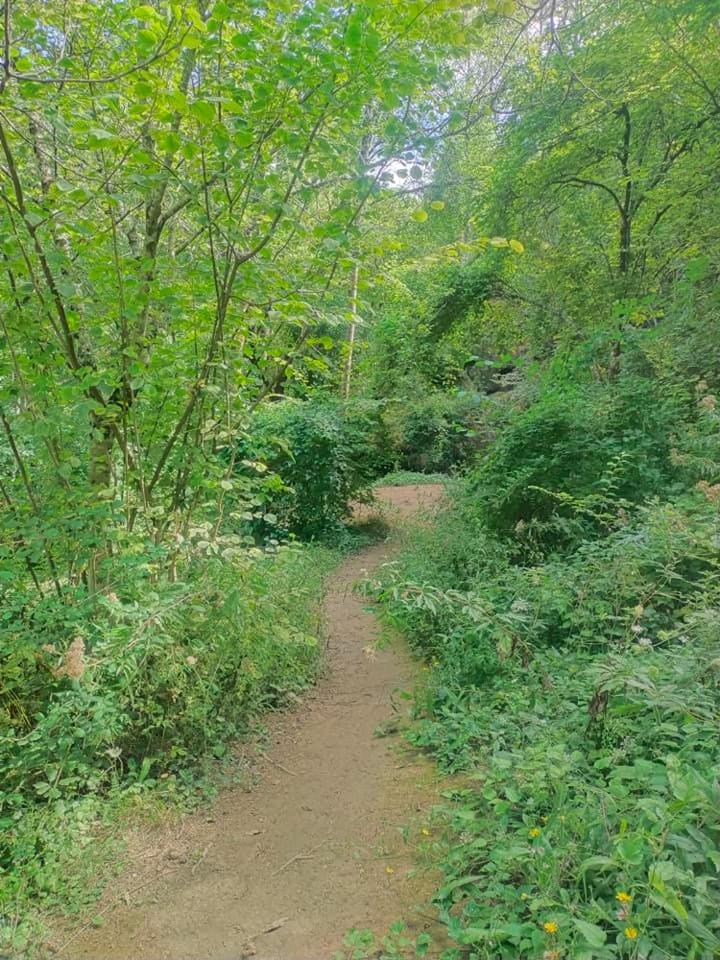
282, 871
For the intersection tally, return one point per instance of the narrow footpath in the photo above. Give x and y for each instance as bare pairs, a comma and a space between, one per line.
281, 871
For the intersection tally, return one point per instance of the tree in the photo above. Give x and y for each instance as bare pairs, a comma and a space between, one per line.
180, 201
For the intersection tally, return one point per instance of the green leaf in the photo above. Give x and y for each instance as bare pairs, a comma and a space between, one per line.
455, 884
144, 12
666, 898
698, 929
698, 269
100, 135
143, 89
203, 111
671, 903
594, 935
169, 141
631, 849
353, 34
195, 19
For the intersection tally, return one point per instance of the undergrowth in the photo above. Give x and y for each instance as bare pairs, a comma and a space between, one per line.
569, 603
136, 710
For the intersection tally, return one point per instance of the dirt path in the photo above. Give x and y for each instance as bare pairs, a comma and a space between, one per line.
314, 848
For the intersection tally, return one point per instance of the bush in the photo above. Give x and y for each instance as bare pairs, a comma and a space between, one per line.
325, 453
436, 433
596, 441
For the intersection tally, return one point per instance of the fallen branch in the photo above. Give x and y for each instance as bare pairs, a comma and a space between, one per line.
285, 769
248, 949
299, 856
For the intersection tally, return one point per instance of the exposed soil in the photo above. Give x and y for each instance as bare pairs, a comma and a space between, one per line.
282, 871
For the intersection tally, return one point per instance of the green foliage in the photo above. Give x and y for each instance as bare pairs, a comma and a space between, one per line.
141, 690
212, 216
600, 156
184, 187
403, 478
398, 943
567, 601
325, 453
572, 633
63, 855
607, 833
436, 433
468, 287
568, 456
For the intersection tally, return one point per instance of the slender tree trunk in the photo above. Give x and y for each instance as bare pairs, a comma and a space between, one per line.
625, 241
347, 373
99, 478
627, 210
627, 207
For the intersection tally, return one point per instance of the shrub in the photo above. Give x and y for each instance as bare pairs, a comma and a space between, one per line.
594, 441
435, 433
326, 453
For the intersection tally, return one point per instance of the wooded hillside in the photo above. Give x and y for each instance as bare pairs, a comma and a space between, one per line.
257, 256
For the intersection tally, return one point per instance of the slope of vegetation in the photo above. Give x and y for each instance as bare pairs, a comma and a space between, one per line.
574, 639
256, 256
567, 599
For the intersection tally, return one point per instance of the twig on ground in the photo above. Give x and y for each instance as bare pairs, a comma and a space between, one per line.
276, 764
299, 856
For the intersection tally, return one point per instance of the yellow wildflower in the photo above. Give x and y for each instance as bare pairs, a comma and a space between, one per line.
631, 933
425, 832
389, 870
623, 897
551, 927
535, 832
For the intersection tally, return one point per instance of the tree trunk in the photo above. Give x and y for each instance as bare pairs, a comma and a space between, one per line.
347, 373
